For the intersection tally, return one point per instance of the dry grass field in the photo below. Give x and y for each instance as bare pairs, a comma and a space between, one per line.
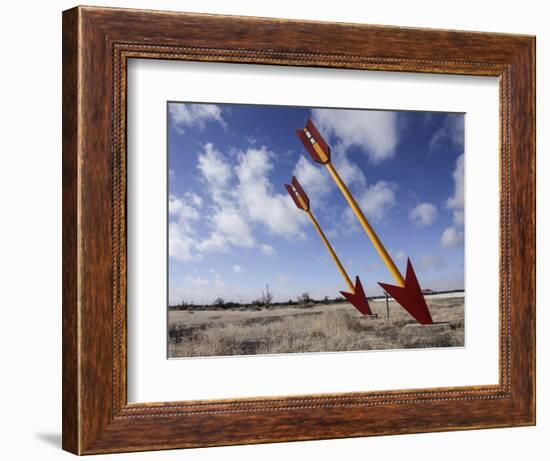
319, 328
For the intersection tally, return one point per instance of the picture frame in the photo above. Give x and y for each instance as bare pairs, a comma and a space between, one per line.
97, 44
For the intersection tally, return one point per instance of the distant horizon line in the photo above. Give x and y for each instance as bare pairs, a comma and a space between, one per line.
295, 300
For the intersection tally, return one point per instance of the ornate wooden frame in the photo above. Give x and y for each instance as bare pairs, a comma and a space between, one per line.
97, 43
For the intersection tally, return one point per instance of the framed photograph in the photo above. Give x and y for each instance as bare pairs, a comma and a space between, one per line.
284, 230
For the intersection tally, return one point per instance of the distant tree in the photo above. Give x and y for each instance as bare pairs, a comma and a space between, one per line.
304, 299
267, 297
325, 299
219, 302
256, 303
231, 305
181, 306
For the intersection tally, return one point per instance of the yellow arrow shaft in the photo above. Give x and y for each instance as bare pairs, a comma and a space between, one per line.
360, 216
331, 251
388, 261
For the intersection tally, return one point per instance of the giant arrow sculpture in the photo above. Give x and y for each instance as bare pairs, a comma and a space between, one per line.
357, 295
407, 292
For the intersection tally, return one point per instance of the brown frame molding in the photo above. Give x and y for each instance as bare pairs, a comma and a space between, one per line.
97, 43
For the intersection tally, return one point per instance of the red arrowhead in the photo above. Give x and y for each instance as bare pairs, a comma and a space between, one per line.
410, 296
358, 298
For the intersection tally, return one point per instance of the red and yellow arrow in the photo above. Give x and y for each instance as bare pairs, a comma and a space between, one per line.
356, 296
406, 292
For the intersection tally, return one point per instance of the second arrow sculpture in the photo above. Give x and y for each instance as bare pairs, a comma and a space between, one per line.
407, 292
356, 296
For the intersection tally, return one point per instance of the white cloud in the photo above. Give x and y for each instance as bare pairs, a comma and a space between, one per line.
283, 279
443, 280
180, 243
185, 115
458, 217
241, 200
212, 284
371, 266
451, 237
229, 228
274, 211
430, 262
253, 164
424, 214
230, 223
267, 250
251, 140
214, 167
375, 132
195, 199
348, 170
400, 255
197, 281
450, 132
237, 269
375, 201
184, 213
315, 181
456, 201
219, 283
185, 208
227, 223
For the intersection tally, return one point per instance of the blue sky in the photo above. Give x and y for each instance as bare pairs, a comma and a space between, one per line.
233, 228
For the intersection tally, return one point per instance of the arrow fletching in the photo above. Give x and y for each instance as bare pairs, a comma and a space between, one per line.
314, 143
298, 194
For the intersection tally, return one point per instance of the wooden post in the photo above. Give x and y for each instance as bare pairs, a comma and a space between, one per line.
387, 306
